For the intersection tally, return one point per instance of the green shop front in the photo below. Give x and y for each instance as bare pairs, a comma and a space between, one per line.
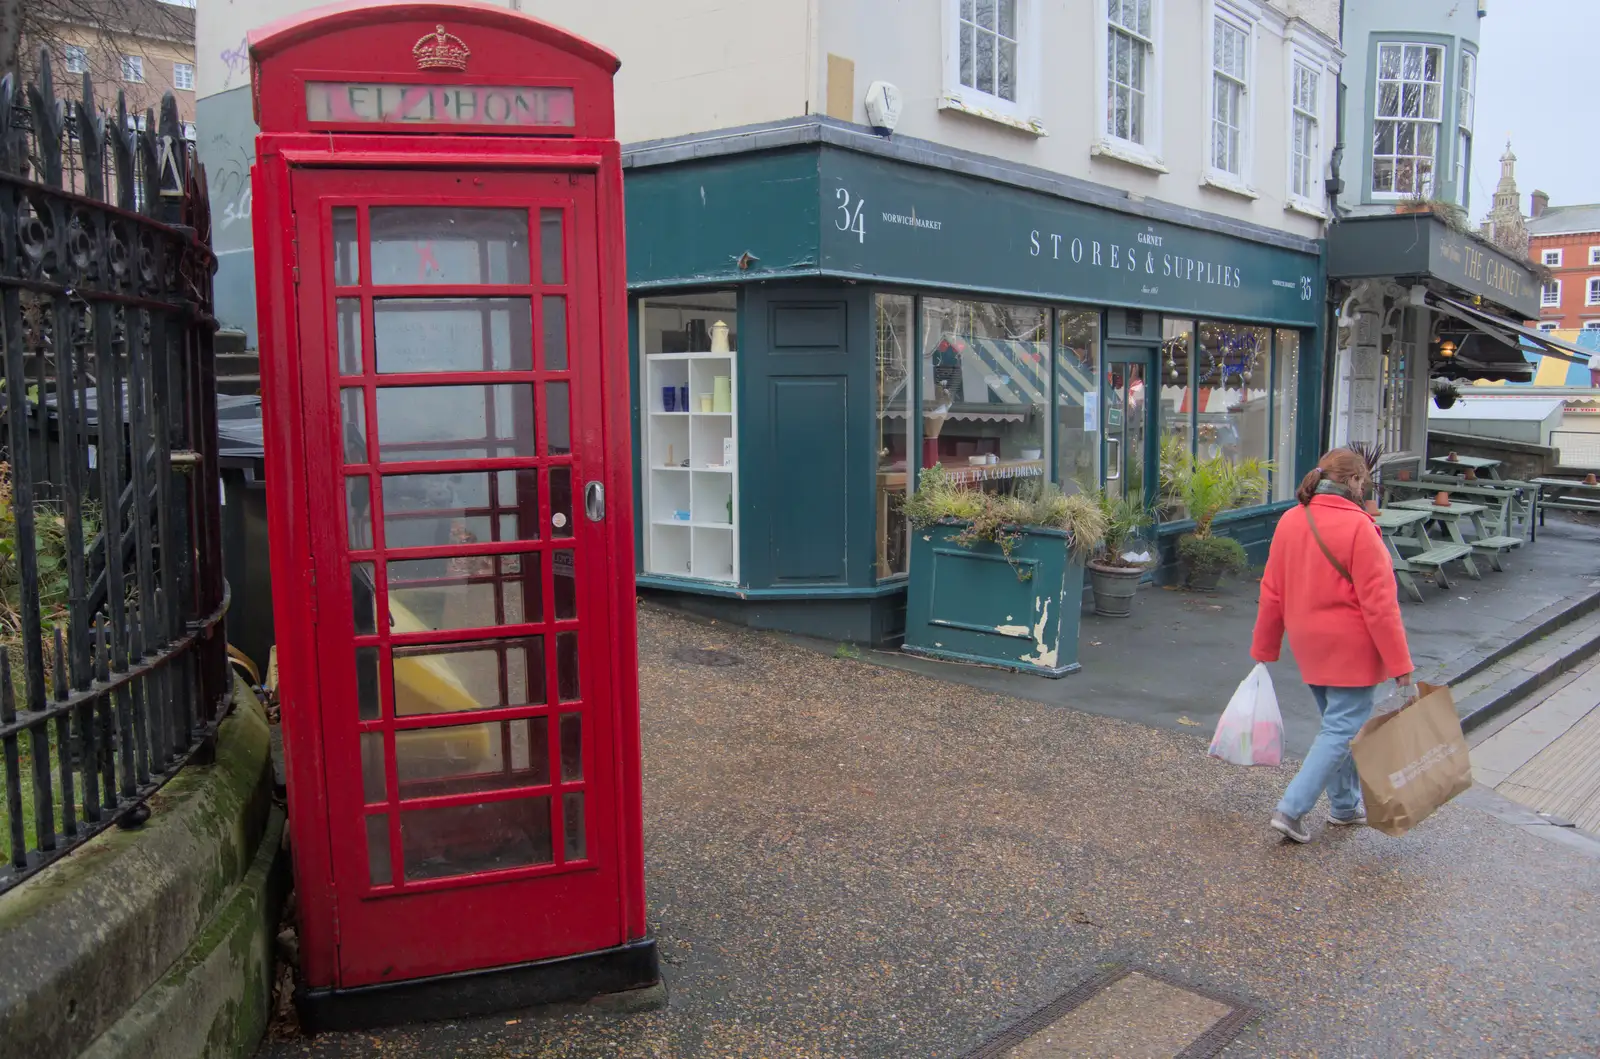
819, 314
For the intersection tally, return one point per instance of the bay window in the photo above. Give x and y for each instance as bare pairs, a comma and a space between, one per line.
1408, 112
1465, 105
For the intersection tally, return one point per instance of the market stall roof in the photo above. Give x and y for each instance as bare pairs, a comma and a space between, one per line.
1507, 331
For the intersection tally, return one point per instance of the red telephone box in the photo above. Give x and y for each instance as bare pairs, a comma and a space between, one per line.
439, 234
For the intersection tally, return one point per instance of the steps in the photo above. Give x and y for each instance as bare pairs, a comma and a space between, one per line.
238, 368
1542, 649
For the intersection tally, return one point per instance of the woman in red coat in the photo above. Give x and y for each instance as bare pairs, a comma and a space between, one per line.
1329, 582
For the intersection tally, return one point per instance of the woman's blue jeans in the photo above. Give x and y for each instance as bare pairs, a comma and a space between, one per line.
1329, 765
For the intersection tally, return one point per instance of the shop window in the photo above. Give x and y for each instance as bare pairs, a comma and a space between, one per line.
689, 429
1226, 392
1078, 398
1233, 367
1409, 109
985, 377
892, 382
1285, 413
1177, 406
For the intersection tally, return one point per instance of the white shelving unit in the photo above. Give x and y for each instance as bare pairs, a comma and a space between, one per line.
690, 489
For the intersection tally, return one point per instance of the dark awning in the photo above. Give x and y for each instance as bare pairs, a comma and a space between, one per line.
1508, 331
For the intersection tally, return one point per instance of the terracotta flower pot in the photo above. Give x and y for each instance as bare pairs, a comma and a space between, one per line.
1372, 507
1441, 499
1453, 458
1403, 475
1590, 479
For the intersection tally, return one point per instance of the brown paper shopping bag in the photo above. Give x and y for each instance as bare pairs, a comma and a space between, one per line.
1411, 761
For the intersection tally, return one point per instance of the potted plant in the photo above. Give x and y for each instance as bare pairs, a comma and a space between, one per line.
1371, 454
1113, 576
1206, 488
1445, 393
998, 579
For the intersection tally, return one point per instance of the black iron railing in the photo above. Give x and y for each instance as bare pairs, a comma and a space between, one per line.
115, 669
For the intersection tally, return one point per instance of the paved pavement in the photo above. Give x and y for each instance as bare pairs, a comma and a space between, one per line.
1176, 660
847, 860
1548, 758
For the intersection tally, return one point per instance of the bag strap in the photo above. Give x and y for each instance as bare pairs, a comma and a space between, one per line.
1337, 565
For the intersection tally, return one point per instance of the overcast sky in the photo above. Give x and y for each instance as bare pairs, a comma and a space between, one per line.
1536, 58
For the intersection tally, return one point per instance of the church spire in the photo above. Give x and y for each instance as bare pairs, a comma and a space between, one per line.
1505, 224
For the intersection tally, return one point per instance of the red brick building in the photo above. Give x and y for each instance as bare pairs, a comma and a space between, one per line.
1566, 240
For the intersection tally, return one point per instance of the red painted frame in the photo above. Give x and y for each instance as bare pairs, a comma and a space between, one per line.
374, 44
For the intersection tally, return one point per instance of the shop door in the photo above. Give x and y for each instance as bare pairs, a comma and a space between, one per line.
450, 373
1126, 410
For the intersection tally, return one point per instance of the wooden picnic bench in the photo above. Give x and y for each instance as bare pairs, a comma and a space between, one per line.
1567, 494
1490, 545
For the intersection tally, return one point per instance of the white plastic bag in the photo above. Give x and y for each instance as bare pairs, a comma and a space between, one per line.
1251, 729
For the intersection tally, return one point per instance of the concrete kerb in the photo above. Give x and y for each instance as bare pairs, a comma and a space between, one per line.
82, 942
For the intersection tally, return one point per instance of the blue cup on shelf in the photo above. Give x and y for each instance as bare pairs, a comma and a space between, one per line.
683, 398
669, 398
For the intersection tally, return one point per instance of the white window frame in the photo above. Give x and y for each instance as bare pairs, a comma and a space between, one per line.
1466, 110
1421, 121
1551, 326
1588, 325
1242, 21
1148, 153
1552, 258
1591, 291
178, 79
1021, 113
1594, 255
1546, 301
75, 59
133, 69
1314, 200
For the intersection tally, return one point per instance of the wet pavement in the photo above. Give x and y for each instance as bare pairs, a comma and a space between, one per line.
849, 860
1205, 640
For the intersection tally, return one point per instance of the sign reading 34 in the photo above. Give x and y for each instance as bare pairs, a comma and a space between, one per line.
850, 218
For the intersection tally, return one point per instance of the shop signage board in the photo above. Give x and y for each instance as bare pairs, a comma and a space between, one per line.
831, 211
915, 224
1401, 245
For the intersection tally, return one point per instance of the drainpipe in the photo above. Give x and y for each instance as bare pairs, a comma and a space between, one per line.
1334, 186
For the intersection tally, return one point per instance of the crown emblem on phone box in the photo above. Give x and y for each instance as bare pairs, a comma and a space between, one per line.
441, 51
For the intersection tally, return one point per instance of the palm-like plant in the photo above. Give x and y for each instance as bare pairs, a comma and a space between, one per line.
1208, 487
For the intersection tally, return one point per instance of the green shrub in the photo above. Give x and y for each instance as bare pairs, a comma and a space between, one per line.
1204, 554
999, 519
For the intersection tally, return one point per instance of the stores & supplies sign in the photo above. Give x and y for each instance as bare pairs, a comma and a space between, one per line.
912, 224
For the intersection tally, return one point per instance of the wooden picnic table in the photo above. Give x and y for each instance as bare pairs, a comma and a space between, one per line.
1568, 494
1492, 545
1397, 524
1477, 463
1516, 502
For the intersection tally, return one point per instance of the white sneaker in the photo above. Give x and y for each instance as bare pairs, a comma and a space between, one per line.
1358, 817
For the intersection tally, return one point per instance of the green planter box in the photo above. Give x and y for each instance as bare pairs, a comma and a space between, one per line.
968, 605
